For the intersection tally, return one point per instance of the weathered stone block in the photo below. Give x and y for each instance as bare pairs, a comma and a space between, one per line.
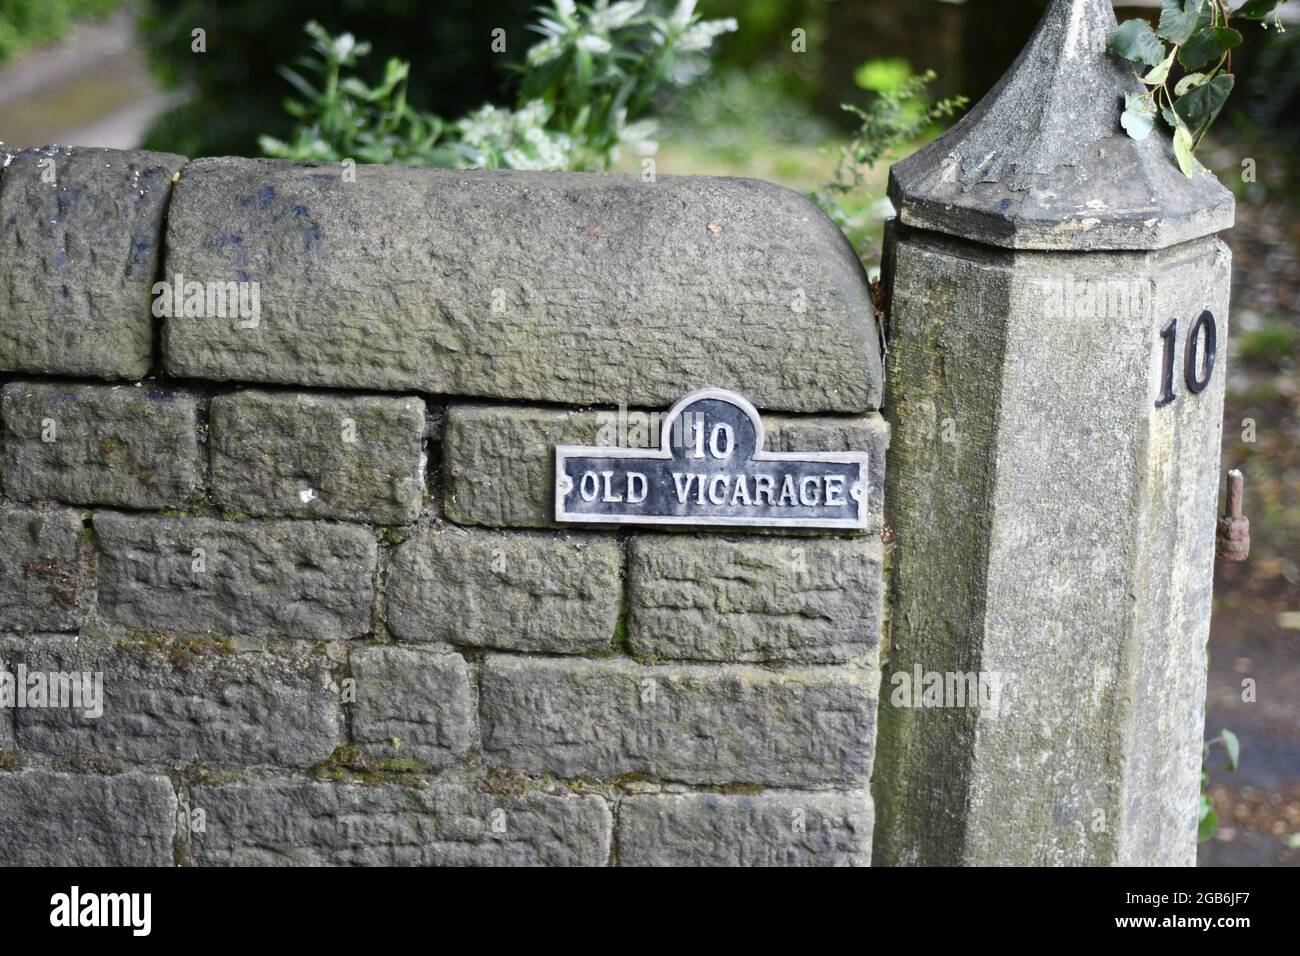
188, 699
500, 460
7, 659
813, 600
80, 231
64, 819
869, 433
525, 591
571, 288
413, 705
40, 570
304, 455
688, 723
775, 828
100, 444
200, 576
302, 823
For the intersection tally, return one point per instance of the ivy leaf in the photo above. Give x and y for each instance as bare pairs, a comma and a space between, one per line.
1139, 116
1136, 42
1201, 105
1207, 46
1183, 144
1179, 19
1205, 829
1189, 82
1160, 73
1255, 9
1233, 746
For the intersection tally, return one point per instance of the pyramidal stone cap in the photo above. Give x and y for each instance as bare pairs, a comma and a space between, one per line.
1043, 163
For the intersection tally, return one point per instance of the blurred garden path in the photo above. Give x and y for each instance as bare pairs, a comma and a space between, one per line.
93, 88
1258, 806
1255, 632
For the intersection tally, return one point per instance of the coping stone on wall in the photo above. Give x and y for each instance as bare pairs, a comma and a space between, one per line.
80, 233
574, 288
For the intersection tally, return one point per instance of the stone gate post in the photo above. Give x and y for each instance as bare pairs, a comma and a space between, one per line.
1055, 384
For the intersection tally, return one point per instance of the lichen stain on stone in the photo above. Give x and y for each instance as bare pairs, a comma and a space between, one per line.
1077, 225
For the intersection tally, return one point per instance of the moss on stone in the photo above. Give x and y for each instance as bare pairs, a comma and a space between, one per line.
349, 765
91, 764
178, 651
194, 775
622, 780
10, 760
503, 782
735, 789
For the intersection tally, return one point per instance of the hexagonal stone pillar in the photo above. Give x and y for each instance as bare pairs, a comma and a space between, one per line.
1057, 341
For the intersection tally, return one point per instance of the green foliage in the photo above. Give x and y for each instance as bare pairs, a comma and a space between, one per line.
741, 114
1136, 41
343, 117
597, 69
1233, 746
28, 23
234, 92
898, 115
1207, 821
883, 75
1197, 36
583, 93
782, 45
1265, 104
768, 35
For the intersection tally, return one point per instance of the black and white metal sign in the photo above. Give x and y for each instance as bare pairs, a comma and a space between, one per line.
710, 469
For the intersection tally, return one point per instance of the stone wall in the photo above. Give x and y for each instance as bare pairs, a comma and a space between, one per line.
312, 553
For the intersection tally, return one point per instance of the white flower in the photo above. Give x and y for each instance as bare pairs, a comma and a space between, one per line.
534, 113
700, 36
344, 44
682, 15
591, 43
605, 18
483, 124
545, 52
518, 137
638, 135
565, 8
